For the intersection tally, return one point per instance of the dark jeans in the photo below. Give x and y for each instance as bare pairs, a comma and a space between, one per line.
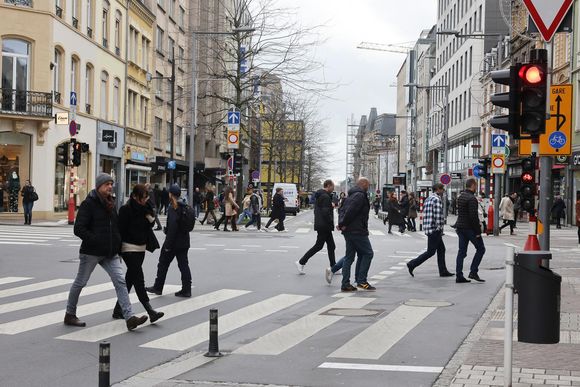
322, 238
165, 260
279, 226
27, 211
134, 275
579, 235
360, 245
511, 223
435, 244
207, 213
256, 218
466, 236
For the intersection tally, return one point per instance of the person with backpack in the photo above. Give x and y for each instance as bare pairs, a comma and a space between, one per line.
176, 245
255, 208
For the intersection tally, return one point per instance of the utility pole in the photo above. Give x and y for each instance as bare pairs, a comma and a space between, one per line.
193, 119
172, 139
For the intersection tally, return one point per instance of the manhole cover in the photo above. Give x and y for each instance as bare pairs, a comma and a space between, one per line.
353, 312
430, 303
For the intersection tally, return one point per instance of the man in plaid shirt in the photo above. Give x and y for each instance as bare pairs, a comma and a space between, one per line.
433, 221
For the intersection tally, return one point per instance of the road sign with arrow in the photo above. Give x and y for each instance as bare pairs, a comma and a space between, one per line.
557, 141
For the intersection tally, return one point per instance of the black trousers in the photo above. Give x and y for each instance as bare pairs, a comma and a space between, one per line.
322, 238
134, 275
279, 226
165, 260
434, 245
257, 219
207, 213
511, 223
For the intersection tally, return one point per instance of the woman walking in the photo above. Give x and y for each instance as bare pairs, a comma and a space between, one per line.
278, 211
394, 214
29, 196
506, 212
209, 206
231, 208
136, 220
412, 212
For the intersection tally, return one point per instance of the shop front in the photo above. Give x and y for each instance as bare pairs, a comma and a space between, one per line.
137, 171
63, 179
110, 143
574, 163
15, 160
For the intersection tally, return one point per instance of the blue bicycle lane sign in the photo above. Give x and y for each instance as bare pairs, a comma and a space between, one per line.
557, 140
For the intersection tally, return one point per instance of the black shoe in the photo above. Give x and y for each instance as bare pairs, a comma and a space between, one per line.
348, 288
183, 293
411, 268
366, 286
135, 321
446, 274
475, 277
462, 280
117, 312
151, 289
72, 320
201, 222
158, 228
153, 314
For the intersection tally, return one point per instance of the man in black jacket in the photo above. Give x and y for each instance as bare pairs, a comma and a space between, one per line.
96, 225
353, 221
468, 230
323, 225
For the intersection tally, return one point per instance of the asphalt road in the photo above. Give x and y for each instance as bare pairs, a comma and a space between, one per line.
276, 327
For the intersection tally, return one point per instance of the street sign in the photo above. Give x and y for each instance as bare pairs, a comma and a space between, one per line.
548, 14
497, 163
61, 118
256, 175
171, 164
233, 139
230, 164
233, 118
72, 128
445, 178
478, 171
456, 176
73, 98
498, 140
108, 135
557, 139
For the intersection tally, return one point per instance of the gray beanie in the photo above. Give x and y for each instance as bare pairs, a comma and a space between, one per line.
102, 178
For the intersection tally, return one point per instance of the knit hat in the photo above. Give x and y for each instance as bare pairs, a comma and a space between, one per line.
102, 179
175, 190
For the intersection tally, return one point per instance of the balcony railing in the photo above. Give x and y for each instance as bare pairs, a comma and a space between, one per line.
75, 22
117, 51
88, 108
25, 103
56, 97
59, 11
22, 3
89, 32
105, 43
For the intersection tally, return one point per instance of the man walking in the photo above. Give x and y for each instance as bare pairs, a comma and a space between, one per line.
468, 230
353, 221
278, 211
96, 225
196, 201
255, 208
433, 222
323, 225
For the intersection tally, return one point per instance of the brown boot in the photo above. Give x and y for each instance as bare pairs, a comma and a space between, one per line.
135, 321
72, 320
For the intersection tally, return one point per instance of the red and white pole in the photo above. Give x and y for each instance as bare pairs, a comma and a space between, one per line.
532, 242
71, 195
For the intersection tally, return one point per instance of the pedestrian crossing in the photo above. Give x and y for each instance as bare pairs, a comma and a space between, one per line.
37, 236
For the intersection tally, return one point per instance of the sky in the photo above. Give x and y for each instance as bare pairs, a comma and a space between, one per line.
366, 77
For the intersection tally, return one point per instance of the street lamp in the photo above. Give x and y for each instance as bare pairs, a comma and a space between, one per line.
193, 124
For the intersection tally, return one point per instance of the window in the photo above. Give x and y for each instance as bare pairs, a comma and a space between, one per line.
145, 53
181, 20
168, 138
180, 97
116, 86
56, 75
178, 140
15, 59
161, 3
118, 33
171, 8
90, 21
105, 24
104, 95
59, 8
75, 13
89, 85
157, 134
74, 75
181, 56
171, 48
144, 114
158, 83
159, 40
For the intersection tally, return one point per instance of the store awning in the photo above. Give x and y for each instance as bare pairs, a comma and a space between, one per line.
137, 167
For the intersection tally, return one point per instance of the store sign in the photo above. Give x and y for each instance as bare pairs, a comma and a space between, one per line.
575, 159
138, 156
61, 118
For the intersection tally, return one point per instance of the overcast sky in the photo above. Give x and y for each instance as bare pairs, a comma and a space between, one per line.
366, 75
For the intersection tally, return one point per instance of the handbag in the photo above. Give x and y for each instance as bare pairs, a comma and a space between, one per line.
152, 244
33, 196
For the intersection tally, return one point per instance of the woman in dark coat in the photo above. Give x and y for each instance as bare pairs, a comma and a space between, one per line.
394, 214
136, 220
278, 211
28, 201
209, 206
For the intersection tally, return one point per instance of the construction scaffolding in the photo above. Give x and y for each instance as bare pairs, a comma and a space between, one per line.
352, 128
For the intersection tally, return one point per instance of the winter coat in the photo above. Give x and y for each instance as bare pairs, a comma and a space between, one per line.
467, 216
278, 207
394, 212
558, 208
353, 217
246, 202
196, 198
412, 208
97, 228
255, 204
27, 191
404, 206
231, 205
506, 209
323, 211
133, 224
176, 238
209, 201
578, 213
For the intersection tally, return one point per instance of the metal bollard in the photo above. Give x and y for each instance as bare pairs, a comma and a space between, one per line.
213, 350
104, 364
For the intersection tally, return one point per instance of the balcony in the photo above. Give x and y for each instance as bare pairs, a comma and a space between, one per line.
88, 108
25, 103
59, 11
75, 23
105, 43
21, 3
117, 51
89, 32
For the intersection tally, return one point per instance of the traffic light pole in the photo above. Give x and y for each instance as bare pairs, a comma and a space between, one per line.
71, 195
496, 201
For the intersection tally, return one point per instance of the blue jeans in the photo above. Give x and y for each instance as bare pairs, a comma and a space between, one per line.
245, 213
27, 209
434, 245
197, 208
466, 236
361, 246
113, 267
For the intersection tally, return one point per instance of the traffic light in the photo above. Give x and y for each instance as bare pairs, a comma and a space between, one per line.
238, 162
483, 168
76, 154
510, 100
62, 153
528, 184
533, 93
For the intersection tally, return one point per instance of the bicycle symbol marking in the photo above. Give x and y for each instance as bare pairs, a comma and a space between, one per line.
557, 140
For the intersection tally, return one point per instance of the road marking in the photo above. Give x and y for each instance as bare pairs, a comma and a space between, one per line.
235, 250
414, 253
9, 280
396, 267
511, 245
197, 334
277, 251
342, 295
380, 367
28, 238
213, 245
372, 343
403, 256
378, 277
34, 287
302, 230
387, 272
452, 235
44, 300
198, 248
290, 335
251, 245
74, 245
289, 247
376, 232
24, 243
402, 263
114, 328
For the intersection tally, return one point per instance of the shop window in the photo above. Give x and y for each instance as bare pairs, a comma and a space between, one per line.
14, 169
134, 177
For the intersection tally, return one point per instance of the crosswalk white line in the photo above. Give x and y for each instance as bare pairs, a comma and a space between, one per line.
288, 247
372, 343
387, 272
276, 251
34, 287
251, 245
197, 334
24, 243
10, 280
44, 300
235, 250
28, 238
114, 328
302, 230
286, 337
44, 320
380, 367
376, 232
378, 277
451, 234
396, 267
412, 253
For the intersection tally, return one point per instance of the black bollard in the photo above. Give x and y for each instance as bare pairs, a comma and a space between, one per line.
104, 364
214, 350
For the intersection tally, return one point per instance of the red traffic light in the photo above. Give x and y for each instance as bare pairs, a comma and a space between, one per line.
532, 74
527, 177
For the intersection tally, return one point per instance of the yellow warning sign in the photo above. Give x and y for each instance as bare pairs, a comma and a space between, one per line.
557, 141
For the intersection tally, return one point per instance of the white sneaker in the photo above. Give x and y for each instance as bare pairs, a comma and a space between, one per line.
283, 230
328, 274
300, 268
260, 230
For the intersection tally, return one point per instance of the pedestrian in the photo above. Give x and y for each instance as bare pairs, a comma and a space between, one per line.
96, 225
196, 201
151, 203
558, 210
176, 245
353, 221
209, 206
394, 214
136, 219
164, 201
411, 224
229, 211
255, 208
377, 204
517, 209
29, 196
157, 196
506, 212
222, 205
468, 230
404, 207
578, 215
482, 212
341, 198
323, 225
246, 211
278, 211
433, 224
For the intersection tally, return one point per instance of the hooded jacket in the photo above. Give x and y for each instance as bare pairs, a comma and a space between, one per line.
323, 211
354, 213
176, 238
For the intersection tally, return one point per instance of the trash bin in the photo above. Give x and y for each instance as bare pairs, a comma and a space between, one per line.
538, 290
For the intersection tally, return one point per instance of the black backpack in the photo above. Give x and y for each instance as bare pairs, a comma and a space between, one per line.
187, 217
